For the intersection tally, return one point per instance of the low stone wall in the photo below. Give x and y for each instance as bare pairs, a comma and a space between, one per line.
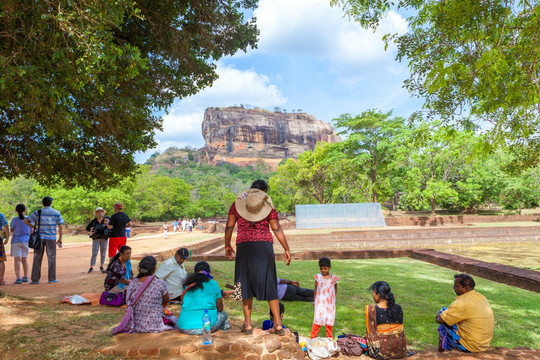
522, 278
226, 345
456, 219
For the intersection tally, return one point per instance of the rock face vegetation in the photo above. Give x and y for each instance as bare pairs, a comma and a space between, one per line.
245, 136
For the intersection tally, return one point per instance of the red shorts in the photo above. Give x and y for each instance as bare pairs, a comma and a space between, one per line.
115, 243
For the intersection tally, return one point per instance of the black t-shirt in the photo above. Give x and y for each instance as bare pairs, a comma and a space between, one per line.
100, 229
118, 222
382, 315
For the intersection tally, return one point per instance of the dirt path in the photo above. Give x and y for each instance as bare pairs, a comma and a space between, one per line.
72, 263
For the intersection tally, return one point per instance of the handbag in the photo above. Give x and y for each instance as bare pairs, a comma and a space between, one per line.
34, 242
112, 299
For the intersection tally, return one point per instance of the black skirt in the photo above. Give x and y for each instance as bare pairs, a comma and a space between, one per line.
255, 268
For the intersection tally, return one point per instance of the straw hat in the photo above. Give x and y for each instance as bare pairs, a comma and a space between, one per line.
254, 205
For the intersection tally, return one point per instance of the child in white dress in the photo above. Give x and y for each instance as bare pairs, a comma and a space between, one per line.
325, 299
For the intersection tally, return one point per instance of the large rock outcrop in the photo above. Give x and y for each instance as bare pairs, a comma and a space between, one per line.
245, 136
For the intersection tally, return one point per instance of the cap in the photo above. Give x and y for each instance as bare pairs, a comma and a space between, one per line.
119, 205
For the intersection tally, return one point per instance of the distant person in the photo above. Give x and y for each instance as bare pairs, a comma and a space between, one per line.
325, 299
165, 229
175, 225
118, 224
173, 272
20, 234
190, 225
51, 219
3, 258
291, 291
467, 324
99, 235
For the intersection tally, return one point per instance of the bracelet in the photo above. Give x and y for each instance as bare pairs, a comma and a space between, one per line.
228, 246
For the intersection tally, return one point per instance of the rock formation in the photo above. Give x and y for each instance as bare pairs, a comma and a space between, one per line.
245, 136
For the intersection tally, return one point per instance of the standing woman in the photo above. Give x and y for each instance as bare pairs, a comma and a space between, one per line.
19, 243
255, 266
98, 227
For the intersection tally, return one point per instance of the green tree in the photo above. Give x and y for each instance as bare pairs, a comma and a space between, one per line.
160, 197
470, 60
210, 198
371, 140
81, 80
19, 190
522, 191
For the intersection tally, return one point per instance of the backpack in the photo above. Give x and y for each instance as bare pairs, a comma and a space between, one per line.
351, 345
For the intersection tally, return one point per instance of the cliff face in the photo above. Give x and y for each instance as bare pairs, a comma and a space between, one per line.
245, 136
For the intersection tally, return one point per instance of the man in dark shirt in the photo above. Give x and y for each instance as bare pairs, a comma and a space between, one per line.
117, 225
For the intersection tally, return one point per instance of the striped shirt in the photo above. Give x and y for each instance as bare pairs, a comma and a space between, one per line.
49, 219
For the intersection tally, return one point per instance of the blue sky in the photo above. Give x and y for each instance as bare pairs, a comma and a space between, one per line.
309, 57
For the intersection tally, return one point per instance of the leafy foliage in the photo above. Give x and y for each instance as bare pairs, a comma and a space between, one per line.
81, 79
470, 60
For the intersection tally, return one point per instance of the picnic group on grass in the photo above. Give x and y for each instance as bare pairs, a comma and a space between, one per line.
465, 325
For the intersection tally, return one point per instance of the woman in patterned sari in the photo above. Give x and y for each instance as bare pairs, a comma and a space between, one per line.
384, 323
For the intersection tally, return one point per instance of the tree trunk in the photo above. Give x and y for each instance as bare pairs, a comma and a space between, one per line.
432, 206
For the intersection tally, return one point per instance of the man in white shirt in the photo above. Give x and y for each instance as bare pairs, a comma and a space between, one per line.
173, 272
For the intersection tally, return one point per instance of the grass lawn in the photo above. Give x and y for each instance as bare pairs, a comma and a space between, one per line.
420, 288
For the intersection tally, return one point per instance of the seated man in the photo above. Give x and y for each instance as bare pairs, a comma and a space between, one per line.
467, 324
291, 291
173, 272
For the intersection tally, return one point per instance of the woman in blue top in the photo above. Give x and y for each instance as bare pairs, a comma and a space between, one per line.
202, 294
19, 243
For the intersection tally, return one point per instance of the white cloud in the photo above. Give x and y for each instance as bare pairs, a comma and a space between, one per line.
182, 126
312, 27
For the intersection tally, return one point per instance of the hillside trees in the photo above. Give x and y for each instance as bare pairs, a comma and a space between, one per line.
471, 61
370, 146
81, 80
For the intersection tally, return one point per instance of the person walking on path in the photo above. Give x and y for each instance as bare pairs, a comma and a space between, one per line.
50, 220
3, 259
117, 224
165, 229
98, 227
20, 234
255, 266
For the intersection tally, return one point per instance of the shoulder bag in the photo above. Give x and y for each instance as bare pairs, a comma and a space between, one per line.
34, 242
127, 320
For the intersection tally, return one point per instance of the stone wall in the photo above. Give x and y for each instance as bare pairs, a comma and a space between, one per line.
456, 219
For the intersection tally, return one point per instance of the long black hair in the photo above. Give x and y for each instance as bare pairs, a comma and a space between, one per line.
383, 290
147, 266
20, 209
198, 278
122, 250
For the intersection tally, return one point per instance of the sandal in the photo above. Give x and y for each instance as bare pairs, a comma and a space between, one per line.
279, 332
246, 330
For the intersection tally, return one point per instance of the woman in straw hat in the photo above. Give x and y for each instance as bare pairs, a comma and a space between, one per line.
255, 267
99, 235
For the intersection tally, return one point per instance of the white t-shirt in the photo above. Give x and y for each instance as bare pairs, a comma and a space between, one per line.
174, 276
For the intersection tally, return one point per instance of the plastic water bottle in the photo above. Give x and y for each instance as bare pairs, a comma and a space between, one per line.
206, 329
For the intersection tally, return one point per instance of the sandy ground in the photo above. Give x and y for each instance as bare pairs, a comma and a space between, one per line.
73, 262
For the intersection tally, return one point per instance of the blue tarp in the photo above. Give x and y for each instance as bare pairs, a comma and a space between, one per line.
338, 216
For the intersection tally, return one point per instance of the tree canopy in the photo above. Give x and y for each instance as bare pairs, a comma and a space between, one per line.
471, 61
82, 80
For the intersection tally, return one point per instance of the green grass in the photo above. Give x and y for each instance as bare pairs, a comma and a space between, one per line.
420, 288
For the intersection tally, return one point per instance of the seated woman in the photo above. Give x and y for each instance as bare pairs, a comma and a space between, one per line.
119, 270
384, 323
201, 293
146, 299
